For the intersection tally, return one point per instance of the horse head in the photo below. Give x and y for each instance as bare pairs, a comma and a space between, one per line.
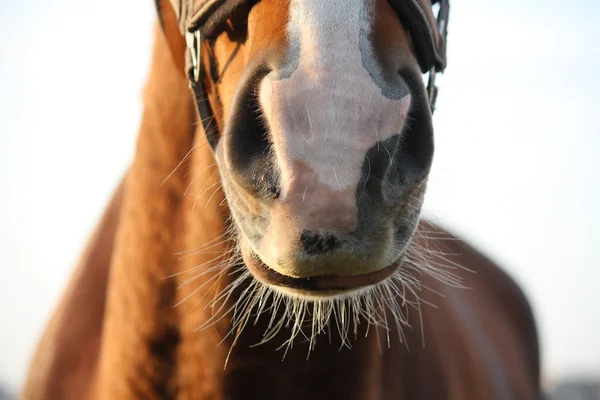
322, 134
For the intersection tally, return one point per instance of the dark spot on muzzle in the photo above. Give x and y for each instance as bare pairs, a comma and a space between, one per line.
316, 243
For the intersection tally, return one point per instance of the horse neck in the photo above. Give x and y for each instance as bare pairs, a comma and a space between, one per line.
142, 329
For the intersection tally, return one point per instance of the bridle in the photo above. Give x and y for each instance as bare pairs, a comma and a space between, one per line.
200, 20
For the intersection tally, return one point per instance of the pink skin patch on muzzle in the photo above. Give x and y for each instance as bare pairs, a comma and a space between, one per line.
322, 122
322, 119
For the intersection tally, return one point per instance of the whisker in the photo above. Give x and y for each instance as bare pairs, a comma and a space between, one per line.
382, 308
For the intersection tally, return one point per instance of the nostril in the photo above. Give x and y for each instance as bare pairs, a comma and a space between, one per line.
274, 191
247, 145
317, 243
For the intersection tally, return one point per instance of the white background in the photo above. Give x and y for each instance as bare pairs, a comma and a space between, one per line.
516, 168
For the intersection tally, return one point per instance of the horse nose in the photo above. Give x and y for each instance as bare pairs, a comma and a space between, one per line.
314, 244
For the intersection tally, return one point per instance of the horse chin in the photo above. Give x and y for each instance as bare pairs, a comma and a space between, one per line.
316, 287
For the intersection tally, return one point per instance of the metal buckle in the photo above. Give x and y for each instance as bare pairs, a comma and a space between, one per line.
193, 41
442, 25
442, 18
432, 89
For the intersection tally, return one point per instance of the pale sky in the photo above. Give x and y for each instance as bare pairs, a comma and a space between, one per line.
516, 167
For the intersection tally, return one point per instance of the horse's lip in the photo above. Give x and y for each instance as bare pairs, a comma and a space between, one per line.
321, 285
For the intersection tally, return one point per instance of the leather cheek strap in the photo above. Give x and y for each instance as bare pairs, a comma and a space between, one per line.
427, 33
169, 12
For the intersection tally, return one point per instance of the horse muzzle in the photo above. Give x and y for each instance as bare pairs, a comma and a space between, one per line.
314, 240
325, 184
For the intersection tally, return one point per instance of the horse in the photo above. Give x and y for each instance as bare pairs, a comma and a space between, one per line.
267, 240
